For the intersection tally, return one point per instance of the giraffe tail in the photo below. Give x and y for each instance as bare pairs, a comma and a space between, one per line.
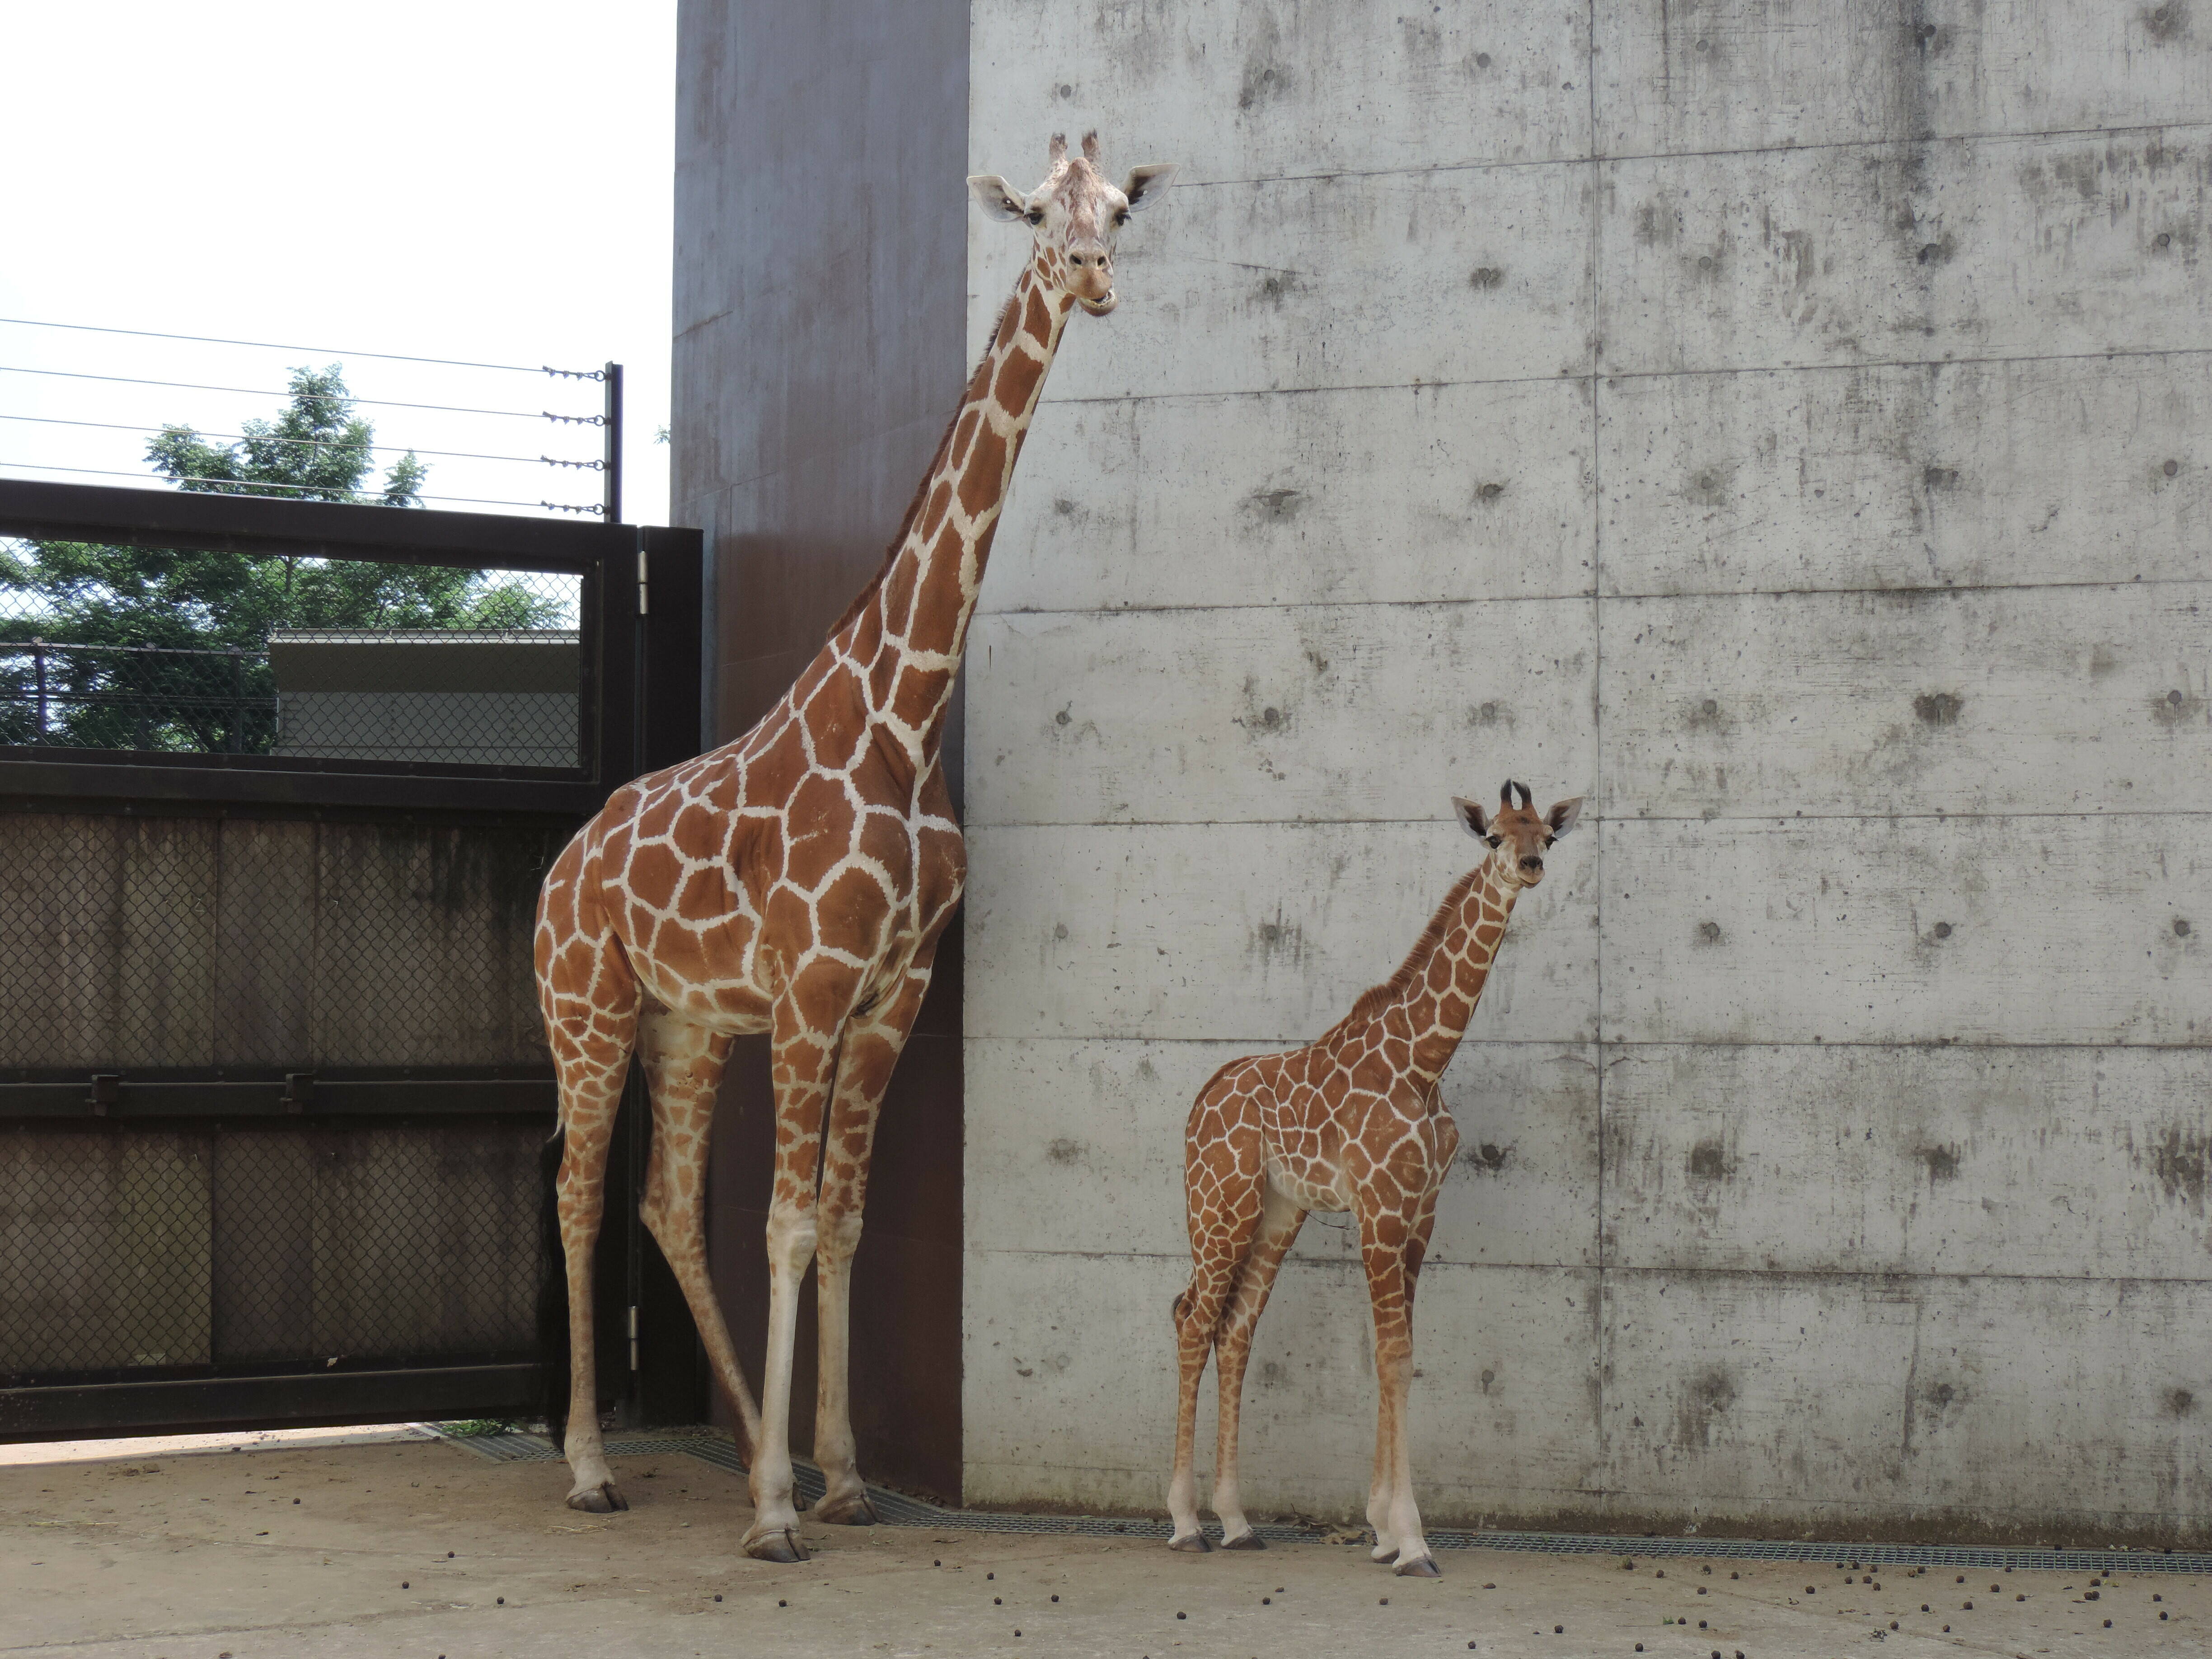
552, 1291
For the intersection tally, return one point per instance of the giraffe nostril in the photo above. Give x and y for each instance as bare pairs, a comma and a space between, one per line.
1532, 864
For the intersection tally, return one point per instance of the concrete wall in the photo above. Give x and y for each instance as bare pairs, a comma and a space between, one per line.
1785, 423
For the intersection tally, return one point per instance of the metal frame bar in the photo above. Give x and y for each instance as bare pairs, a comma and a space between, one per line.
211, 1404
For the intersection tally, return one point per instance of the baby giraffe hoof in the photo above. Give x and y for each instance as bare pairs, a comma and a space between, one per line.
1421, 1566
1383, 1554
1250, 1540
782, 1545
602, 1499
852, 1511
1191, 1543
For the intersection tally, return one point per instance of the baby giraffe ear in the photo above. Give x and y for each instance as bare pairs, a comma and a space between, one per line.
1471, 815
1563, 815
1148, 183
999, 198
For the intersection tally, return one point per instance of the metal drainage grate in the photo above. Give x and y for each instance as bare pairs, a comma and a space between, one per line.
898, 1509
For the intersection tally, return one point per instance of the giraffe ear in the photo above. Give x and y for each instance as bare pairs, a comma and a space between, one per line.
1000, 198
1563, 815
1148, 183
1470, 815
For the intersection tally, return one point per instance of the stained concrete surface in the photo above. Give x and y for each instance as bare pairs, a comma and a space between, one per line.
415, 1549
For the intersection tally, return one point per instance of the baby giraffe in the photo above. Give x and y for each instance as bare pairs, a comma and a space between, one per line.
1352, 1122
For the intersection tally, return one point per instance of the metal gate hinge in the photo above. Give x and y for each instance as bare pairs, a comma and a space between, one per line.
298, 1090
632, 1338
644, 591
106, 1091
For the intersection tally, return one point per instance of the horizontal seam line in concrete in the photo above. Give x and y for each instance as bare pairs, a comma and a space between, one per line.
1599, 158
1351, 1264
1915, 1045
1933, 816
1622, 595
1565, 377
1933, 1045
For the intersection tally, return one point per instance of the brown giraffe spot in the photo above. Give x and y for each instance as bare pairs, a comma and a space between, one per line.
867, 634
1037, 320
963, 435
940, 502
919, 691
984, 480
1017, 380
837, 721
654, 867
898, 595
780, 764
705, 895
1009, 319
937, 619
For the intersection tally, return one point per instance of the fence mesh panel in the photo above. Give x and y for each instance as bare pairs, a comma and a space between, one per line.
134, 942
183, 652
131, 1250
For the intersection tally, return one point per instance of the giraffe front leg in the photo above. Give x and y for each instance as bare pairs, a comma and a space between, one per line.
1384, 1249
590, 1005
805, 1058
871, 1045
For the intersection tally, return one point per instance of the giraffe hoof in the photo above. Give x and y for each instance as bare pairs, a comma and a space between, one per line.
1248, 1541
781, 1546
602, 1499
1194, 1543
853, 1511
1421, 1566
1383, 1554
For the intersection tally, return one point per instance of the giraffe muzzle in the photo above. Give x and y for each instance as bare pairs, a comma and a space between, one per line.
1532, 866
1099, 307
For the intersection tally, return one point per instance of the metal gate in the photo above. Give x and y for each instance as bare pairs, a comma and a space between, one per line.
273, 1088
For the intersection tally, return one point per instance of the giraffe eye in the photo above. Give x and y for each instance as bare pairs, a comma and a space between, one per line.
1035, 215
1122, 217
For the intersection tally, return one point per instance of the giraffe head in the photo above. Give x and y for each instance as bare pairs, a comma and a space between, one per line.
1517, 834
1076, 216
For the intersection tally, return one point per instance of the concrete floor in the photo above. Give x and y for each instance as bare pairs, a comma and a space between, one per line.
419, 1549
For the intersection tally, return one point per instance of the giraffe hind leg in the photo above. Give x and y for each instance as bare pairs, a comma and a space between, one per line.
1222, 1194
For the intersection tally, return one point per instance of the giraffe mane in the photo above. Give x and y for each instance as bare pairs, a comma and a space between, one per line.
977, 384
1373, 1000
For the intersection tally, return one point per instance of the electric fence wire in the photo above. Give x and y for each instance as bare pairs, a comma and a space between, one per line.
315, 443
243, 487
319, 351
309, 397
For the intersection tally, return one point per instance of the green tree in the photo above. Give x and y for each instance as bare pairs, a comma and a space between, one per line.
168, 649
318, 450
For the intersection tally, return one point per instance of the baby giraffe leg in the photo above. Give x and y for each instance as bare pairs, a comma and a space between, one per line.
1280, 1221
1221, 1180
1390, 1509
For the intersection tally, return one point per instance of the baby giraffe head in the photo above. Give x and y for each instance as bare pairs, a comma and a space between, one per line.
1077, 216
1516, 833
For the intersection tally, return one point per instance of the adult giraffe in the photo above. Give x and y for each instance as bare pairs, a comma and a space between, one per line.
796, 881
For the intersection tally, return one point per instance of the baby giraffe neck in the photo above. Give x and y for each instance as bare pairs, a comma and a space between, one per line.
1441, 998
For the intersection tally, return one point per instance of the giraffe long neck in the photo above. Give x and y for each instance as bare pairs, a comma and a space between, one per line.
1467, 929
907, 633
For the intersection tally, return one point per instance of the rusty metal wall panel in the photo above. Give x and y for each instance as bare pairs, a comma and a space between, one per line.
104, 1251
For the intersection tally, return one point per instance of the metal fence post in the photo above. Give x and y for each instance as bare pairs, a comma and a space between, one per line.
39, 662
613, 428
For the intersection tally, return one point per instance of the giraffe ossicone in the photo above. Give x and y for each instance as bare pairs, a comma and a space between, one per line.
795, 883
1353, 1121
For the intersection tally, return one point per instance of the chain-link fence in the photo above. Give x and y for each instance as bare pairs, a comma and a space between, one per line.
193, 651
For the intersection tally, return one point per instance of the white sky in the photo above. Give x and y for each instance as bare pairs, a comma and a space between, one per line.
477, 178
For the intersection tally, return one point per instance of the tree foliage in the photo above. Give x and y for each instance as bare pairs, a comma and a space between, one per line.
166, 648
